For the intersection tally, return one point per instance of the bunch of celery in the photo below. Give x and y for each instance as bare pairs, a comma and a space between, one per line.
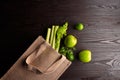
55, 34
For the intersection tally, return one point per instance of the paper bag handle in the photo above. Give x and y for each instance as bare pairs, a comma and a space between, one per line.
56, 65
50, 69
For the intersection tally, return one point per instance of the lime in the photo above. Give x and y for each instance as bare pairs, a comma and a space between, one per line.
70, 56
70, 41
79, 26
85, 56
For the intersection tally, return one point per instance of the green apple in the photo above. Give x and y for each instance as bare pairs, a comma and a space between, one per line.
85, 56
70, 41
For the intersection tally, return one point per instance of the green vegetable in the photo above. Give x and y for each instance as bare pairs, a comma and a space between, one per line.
54, 36
60, 33
51, 37
85, 56
70, 41
48, 35
70, 56
79, 26
63, 51
68, 52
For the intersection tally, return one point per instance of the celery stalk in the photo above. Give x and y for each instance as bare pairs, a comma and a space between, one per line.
52, 32
54, 36
48, 35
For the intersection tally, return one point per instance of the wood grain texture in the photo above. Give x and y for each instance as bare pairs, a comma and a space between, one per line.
22, 21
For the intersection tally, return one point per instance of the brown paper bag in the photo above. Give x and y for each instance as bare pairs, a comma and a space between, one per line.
39, 62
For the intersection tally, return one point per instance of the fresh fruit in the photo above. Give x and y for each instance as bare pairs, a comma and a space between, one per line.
70, 56
79, 26
85, 56
70, 41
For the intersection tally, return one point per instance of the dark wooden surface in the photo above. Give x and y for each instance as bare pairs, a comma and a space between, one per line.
22, 21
